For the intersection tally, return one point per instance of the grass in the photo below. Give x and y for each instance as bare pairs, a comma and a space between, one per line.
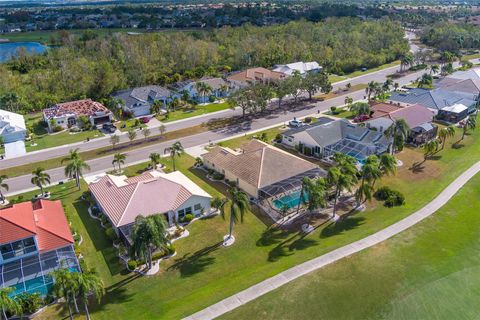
336, 78
427, 272
471, 56
131, 124
203, 273
192, 112
43, 140
340, 92
342, 113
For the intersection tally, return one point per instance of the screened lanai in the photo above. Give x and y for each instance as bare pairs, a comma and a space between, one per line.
31, 274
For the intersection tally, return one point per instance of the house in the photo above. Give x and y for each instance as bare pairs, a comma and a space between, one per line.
13, 132
35, 239
250, 76
139, 101
122, 199
259, 168
301, 67
453, 114
326, 139
220, 88
462, 81
418, 118
436, 99
66, 114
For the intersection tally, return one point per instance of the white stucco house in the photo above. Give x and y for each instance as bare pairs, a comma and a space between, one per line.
139, 100
220, 88
301, 67
13, 131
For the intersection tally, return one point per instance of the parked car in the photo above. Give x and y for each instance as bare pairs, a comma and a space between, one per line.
109, 127
295, 123
144, 119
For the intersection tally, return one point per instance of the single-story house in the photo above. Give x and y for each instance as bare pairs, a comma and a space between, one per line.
13, 132
463, 81
220, 88
453, 114
35, 240
260, 169
122, 199
300, 67
436, 99
326, 139
66, 114
418, 118
253, 75
139, 100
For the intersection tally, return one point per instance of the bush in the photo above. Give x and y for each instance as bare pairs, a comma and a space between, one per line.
218, 176
391, 197
212, 98
308, 120
383, 193
111, 234
333, 110
57, 128
158, 255
188, 217
30, 302
169, 249
132, 264
103, 219
278, 138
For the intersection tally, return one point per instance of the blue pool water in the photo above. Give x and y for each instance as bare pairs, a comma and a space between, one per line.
9, 49
359, 159
291, 200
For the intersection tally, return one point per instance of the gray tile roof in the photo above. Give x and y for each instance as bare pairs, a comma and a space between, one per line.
142, 94
320, 121
433, 99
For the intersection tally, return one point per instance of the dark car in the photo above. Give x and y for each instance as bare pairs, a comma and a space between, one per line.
108, 127
145, 119
361, 118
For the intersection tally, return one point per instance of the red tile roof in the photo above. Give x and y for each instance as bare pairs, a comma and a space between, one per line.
44, 218
86, 107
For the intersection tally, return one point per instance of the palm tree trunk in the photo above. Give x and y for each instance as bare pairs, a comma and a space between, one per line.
41, 189
300, 200
4, 314
443, 143
69, 309
149, 258
2, 197
230, 233
335, 202
85, 305
463, 133
75, 303
173, 163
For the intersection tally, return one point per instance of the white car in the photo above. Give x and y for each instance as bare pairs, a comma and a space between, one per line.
295, 123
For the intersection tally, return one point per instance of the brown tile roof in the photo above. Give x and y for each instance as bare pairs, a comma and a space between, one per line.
414, 115
383, 109
256, 74
259, 164
86, 107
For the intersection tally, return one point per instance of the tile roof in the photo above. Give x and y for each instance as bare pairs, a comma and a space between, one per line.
255, 74
142, 95
319, 122
123, 199
433, 99
86, 107
44, 218
214, 83
413, 115
259, 164
300, 66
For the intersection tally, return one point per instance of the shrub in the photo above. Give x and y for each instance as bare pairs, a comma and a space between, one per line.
158, 255
308, 120
103, 219
218, 176
57, 128
30, 302
383, 193
212, 98
111, 234
278, 138
132, 264
188, 217
391, 197
169, 249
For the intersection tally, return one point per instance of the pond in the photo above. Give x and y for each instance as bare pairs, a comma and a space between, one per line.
10, 49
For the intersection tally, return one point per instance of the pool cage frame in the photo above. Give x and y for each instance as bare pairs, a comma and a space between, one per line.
23, 274
267, 194
351, 148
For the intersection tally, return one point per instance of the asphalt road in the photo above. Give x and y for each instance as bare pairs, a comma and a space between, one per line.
22, 183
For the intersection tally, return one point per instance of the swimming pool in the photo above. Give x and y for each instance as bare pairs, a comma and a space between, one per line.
360, 160
290, 200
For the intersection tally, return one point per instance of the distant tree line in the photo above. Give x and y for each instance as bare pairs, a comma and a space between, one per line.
96, 66
451, 37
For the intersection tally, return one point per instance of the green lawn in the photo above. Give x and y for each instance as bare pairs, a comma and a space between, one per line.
336, 78
203, 273
342, 113
131, 124
427, 272
197, 111
43, 140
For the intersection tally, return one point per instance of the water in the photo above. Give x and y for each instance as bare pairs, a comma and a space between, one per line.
10, 49
360, 160
291, 200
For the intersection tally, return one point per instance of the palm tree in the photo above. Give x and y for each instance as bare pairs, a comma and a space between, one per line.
372, 88
238, 207
471, 123
156, 106
40, 178
88, 284
119, 159
434, 68
162, 129
317, 194
388, 165
148, 234
63, 287
445, 133
400, 129
174, 150
3, 186
430, 148
360, 108
75, 167
340, 181
7, 303
203, 89
154, 159
132, 134
146, 133
406, 60
370, 172
395, 86
348, 101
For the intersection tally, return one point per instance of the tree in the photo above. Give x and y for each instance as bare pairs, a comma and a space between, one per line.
294, 84
395, 86
369, 173
203, 89
280, 89
470, 124
343, 176
430, 148
146, 133
132, 134
388, 165
7, 303
162, 129
40, 178
406, 60
154, 160
218, 202
3, 186
75, 167
157, 105
348, 102
399, 129
434, 69
175, 150
313, 82
241, 98
238, 207
425, 81
119, 159
317, 193
64, 287
445, 133
372, 88
259, 95
88, 284
148, 234
360, 108
114, 140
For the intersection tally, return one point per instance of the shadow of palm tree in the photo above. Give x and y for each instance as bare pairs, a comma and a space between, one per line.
417, 167
458, 145
191, 264
272, 236
336, 228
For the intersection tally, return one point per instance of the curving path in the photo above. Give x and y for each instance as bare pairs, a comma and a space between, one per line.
286, 276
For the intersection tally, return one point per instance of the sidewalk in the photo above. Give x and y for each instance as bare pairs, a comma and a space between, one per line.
286, 276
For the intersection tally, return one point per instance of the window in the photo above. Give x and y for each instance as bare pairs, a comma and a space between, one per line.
317, 149
181, 213
188, 210
197, 207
